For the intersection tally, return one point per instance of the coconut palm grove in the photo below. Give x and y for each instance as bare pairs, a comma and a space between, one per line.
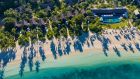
69, 39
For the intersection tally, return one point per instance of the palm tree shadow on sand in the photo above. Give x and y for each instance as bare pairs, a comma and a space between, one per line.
5, 58
105, 44
80, 41
92, 39
78, 46
117, 37
42, 53
131, 48
83, 38
53, 49
137, 46
117, 51
105, 52
60, 52
31, 56
23, 62
124, 47
67, 49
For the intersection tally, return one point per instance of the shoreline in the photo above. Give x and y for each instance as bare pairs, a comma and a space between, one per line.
94, 53
76, 60
96, 62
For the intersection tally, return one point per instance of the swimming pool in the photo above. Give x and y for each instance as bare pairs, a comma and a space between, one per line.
110, 19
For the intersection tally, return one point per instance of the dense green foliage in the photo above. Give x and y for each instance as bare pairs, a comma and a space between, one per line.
54, 13
6, 40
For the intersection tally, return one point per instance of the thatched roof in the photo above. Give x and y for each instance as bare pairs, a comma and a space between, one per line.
20, 9
76, 12
25, 23
54, 18
69, 14
83, 11
41, 21
33, 22
63, 16
18, 24
48, 8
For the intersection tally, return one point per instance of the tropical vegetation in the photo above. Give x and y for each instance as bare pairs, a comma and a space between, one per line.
61, 17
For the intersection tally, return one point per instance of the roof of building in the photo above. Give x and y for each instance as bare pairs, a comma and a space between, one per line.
76, 12
33, 21
25, 23
110, 11
41, 21
18, 24
83, 11
63, 16
54, 18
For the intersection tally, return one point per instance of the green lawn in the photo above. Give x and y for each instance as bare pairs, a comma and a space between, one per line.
116, 25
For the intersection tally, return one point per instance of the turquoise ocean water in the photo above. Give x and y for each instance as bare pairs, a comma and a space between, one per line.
117, 70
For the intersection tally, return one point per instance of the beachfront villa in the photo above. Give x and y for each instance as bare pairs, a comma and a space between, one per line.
109, 15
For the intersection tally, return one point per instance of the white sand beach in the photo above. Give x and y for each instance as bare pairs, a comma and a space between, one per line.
91, 54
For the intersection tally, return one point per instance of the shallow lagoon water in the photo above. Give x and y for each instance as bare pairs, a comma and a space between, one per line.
109, 71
